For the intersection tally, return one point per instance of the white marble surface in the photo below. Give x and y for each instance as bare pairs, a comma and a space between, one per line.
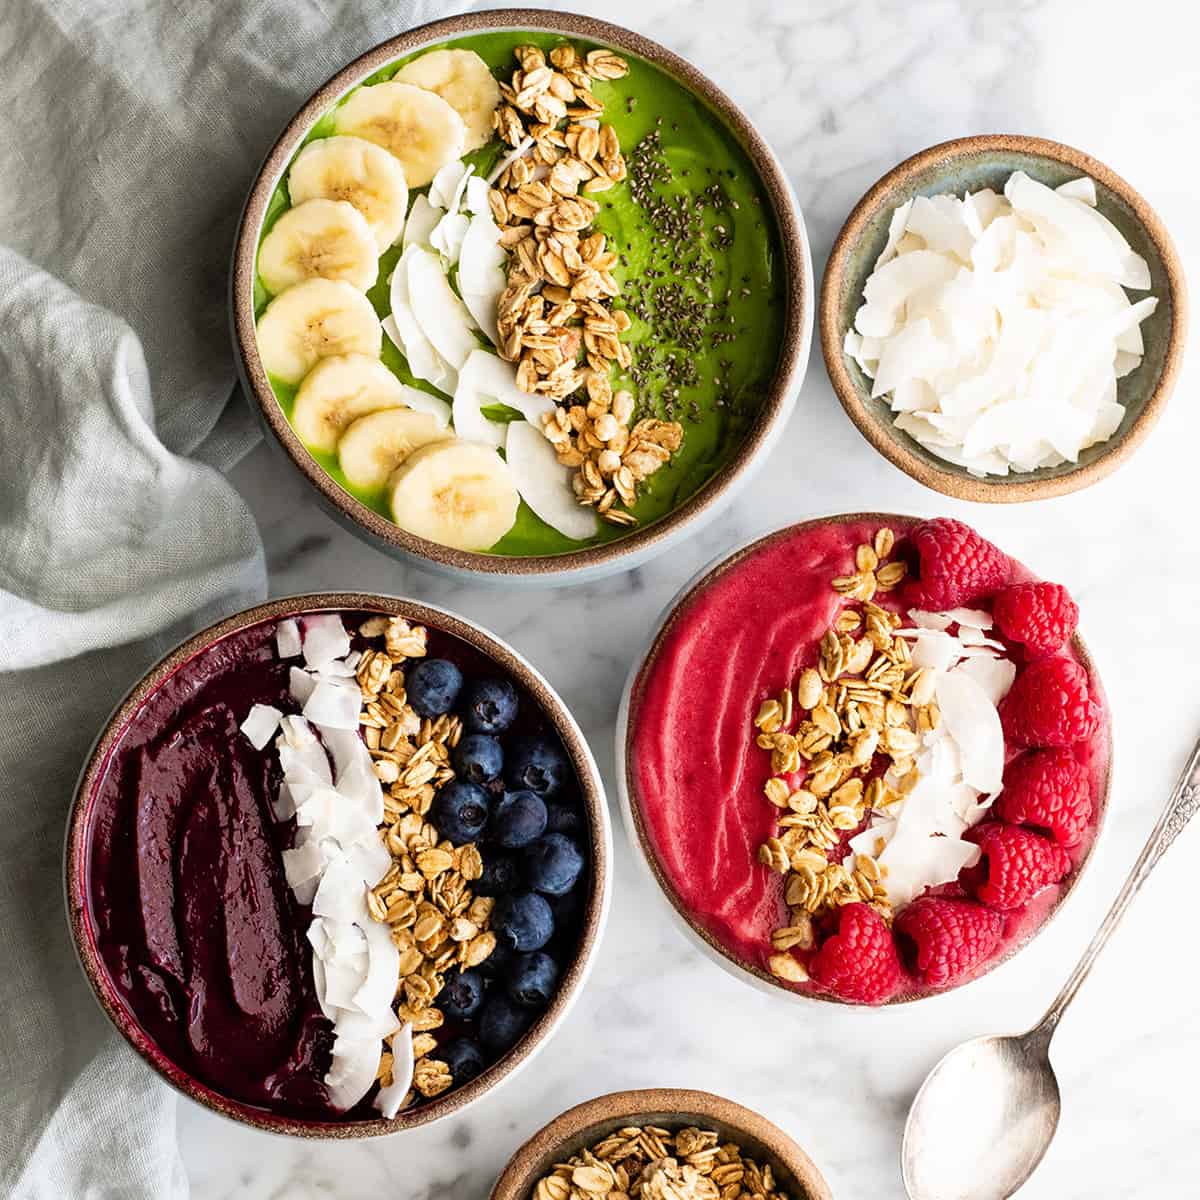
844, 91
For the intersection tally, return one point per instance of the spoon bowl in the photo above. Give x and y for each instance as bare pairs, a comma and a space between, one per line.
983, 1119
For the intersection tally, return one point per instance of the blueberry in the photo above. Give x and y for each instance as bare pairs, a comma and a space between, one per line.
433, 686
494, 965
462, 995
531, 978
488, 705
503, 1023
566, 911
501, 873
564, 818
553, 864
523, 920
537, 764
518, 819
463, 1057
478, 758
460, 811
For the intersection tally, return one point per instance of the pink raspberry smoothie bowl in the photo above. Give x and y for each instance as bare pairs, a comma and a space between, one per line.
889, 772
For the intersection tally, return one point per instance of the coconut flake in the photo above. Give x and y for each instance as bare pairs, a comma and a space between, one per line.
441, 315
447, 236
545, 484
287, 638
423, 219
302, 863
325, 638
352, 1072
481, 278
405, 334
919, 862
383, 968
260, 724
486, 379
390, 1098
519, 151
420, 401
994, 675
334, 705
448, 183
972, 721
340, 894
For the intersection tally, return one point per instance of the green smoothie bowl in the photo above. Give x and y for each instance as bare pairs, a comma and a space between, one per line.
522, 295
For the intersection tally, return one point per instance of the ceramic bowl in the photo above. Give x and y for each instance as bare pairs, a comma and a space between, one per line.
642, 543
80, 826
669, 1108
969, 164
703, 939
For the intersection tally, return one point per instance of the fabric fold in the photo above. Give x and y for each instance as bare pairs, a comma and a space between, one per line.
137, 128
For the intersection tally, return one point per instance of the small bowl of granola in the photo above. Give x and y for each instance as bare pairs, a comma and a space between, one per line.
338, 865
660, 1143
887, 787
522, 295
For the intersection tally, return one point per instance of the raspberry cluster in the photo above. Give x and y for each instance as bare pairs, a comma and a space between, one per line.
1045, 806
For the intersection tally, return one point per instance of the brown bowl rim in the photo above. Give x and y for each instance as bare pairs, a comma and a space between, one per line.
518, 1178
78, 841
1018, 487
797, 288
732, 962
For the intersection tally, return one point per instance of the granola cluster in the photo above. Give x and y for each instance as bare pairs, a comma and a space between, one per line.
556, 318
651, 1163
862, 702
436, 922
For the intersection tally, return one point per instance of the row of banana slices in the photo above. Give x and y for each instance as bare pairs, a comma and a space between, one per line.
350, 194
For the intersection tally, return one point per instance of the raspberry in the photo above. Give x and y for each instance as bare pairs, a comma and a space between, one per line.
943, 940
858, 962
1048, 790
1041, 616
1049, 705
954, 565
1016, 864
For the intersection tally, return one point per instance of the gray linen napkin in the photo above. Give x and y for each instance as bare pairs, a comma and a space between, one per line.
132, 131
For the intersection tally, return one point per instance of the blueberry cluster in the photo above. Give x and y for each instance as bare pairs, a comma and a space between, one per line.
513, 796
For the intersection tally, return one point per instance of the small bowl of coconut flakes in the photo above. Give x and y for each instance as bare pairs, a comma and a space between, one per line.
1003, 318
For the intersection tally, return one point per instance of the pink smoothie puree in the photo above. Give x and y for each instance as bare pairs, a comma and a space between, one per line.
696, 775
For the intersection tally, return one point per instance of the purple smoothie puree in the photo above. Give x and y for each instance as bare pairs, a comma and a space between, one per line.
198, 931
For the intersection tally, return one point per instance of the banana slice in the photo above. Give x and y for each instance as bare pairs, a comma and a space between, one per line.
316, 319
375, 445
319, 239
464, 81
457, 493
417, 126
358, 172
338, 391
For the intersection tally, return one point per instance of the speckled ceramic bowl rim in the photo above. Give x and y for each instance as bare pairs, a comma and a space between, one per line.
595, 916
890, 191
707, 942
632, 1107
798, 294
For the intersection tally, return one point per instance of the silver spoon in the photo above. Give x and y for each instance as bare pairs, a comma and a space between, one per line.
986, 1114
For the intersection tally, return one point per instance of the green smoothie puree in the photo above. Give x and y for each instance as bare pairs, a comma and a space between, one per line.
699, 266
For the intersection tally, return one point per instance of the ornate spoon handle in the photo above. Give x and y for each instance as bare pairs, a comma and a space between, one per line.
1183, 805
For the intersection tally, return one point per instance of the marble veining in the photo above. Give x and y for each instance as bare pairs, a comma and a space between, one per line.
844, 91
